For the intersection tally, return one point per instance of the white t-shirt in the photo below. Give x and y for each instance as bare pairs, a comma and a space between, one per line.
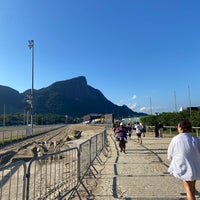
184, 152
138, 129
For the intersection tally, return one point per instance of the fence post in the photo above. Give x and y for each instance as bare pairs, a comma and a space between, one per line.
11, 137
90, 149
17, 135
197, 131
3, 138
104, 142
96, 144
28, 174
79, 163
170, 130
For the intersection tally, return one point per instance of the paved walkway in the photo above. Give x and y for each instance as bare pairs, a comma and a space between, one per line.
139, 174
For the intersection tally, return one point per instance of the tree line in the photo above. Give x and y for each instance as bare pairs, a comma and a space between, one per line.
38, 119
172, 118
167, 118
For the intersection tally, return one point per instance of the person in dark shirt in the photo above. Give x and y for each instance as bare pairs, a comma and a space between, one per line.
129, 130
156, 129
121, 134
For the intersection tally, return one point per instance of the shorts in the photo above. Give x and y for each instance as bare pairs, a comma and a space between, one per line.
122, 139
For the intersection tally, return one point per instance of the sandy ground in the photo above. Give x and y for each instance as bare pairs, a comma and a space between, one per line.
139, 174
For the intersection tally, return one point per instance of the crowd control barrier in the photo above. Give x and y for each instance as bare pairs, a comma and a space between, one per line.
52, 176
13, 181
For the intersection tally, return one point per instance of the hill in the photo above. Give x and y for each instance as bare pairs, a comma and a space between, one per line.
11, 100
73, 97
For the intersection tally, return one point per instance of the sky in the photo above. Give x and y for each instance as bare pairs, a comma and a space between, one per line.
141, 53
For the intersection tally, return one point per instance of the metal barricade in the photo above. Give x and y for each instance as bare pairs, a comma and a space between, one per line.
84, 157
52, 176
13, 181
97, 144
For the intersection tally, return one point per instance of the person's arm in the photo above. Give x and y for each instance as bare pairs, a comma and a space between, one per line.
170, 150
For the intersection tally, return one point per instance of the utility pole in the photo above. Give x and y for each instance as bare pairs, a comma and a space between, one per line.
150, 106
190, 102
175, 101
4, 114
31, 46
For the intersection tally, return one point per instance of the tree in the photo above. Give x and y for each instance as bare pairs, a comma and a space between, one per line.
172, 118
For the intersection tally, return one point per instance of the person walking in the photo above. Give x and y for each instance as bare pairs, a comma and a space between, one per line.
129, 129
138, 130
121, 134
184, 153
156, 129
143, 129
160, 129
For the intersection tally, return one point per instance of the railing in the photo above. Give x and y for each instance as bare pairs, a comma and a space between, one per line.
13, 181
10, 136
52, 176
172, 130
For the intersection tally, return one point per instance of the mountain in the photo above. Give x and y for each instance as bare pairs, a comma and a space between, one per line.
72, 97
11, 100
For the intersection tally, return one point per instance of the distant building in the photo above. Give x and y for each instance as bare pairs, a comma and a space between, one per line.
108, 119
193, 108
99, 118
90, 117
190, 108
131, 120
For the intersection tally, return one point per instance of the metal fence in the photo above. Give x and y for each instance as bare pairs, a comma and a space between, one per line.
10, 136
13, 181
172, 130
52, 176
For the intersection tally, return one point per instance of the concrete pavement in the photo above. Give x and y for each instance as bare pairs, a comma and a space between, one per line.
139, 174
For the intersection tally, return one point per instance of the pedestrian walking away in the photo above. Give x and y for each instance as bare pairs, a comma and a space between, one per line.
138, 130
121, 134
156, 129
184, 153
129, 129
143, 129
160, 129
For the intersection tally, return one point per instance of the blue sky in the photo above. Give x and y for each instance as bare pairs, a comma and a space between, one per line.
141, 53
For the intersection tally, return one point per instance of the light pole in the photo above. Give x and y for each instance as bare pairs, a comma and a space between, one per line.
150, 106
190, 102
4, 114
31, 46
175, 101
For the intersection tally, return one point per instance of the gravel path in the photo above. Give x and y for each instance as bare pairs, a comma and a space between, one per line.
139, 174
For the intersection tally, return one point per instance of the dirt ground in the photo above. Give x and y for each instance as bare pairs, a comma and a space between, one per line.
55, 140
139, 174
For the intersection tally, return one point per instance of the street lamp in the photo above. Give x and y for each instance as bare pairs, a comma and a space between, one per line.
190, 102
31, 46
